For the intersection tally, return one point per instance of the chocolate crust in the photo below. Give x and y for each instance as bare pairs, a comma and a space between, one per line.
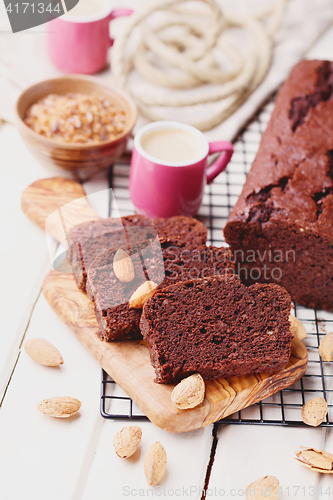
281, 228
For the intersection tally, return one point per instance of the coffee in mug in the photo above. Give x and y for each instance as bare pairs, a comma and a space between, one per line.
158, 187
173, 145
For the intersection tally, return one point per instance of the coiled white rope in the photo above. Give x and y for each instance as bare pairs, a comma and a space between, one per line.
192, 56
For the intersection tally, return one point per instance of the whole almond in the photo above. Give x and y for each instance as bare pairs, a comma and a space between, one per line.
297, 328
316, 460
155, 463
127, 441
314, 411
123, 266
326, 347
265, 487
43, 352
189, 393
142, 294
59, 406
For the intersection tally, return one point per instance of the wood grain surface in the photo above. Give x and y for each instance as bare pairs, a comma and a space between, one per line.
127, 362
56, 205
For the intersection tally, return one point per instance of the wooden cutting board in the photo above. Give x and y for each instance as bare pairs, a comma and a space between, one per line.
63, 198
128, 362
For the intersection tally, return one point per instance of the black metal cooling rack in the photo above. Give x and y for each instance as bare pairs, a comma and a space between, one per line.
284, 407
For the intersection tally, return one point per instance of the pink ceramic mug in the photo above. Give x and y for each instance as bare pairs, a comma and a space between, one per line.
165, 189
79, 43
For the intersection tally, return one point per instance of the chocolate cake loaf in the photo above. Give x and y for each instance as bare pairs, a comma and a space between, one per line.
89, 239
217, 327
281, 228
164, 262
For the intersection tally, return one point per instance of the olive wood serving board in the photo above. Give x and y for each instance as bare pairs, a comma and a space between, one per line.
63, 198
127, 362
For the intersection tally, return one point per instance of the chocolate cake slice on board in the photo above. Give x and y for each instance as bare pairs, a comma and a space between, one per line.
281, 228
217, 327
89, 239
163, 262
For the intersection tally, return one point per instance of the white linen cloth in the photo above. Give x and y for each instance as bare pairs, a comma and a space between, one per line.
24, 59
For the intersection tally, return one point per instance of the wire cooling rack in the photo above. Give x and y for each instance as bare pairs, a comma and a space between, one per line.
284, 407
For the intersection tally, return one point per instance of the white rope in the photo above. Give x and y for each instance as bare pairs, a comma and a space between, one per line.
191, 57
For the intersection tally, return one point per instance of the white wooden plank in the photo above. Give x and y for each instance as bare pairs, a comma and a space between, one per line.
24, 253
113, 477
246, 453
41, 456
65, 459
326, 483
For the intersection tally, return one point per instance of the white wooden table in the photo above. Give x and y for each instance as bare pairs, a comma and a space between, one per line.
47, 459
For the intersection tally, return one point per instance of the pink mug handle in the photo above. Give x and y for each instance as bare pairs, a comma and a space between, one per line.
117, 13
222, 161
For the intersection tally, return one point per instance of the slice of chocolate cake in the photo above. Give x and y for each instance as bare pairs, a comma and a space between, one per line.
164, 262
281, 228
217, 327
90, 239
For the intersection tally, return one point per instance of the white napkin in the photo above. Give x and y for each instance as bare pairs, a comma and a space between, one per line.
24, 59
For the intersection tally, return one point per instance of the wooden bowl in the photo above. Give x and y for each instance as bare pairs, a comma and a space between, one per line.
80, 161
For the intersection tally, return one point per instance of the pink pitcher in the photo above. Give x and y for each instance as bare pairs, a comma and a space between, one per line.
80, 44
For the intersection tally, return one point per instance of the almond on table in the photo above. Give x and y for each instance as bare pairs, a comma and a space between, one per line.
59, 406
265, 487
43, 352
316, 460
155, 463
127, 441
